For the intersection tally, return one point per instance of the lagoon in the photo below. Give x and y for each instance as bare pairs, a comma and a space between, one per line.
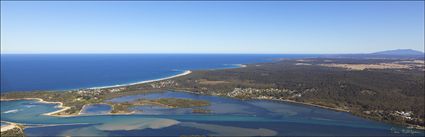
228, 117
96, 109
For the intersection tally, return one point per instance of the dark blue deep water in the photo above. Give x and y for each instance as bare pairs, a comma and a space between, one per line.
72, 71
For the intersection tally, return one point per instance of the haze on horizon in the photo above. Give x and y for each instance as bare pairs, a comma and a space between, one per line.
210, 27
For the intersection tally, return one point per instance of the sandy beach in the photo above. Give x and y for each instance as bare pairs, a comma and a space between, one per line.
9, 126
146, 81
142, 82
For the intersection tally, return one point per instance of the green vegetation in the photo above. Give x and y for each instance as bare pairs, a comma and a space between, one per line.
165, 102
120, 108
391, 95
181, 103
201, 111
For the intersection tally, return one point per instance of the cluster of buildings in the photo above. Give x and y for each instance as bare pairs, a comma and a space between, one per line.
270, 93
116, 89
164, 84
90, 92
94, 93
406, 115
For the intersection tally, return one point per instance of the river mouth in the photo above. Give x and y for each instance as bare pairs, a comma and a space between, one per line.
227, 117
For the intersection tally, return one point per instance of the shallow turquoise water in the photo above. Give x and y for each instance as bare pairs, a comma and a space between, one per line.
229, 117
96, 109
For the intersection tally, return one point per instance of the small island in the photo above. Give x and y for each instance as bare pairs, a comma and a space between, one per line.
124, 108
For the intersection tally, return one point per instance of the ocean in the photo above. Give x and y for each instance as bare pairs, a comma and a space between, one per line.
37, 72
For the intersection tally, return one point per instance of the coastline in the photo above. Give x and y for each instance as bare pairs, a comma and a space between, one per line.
143, 82
311, 104
60, 105
64, 108
242, 65
232, 66
10, 126
7, 127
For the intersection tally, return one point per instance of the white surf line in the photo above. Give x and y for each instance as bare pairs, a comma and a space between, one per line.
146, 81
62, 108
232, 66
11, 111
241, 65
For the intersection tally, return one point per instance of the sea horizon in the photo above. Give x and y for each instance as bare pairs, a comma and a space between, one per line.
58, 66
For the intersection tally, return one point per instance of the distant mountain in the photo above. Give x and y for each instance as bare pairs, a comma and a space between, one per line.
388, 54
402, 52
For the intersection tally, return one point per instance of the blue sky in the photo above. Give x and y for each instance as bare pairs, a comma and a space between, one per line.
210, 27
